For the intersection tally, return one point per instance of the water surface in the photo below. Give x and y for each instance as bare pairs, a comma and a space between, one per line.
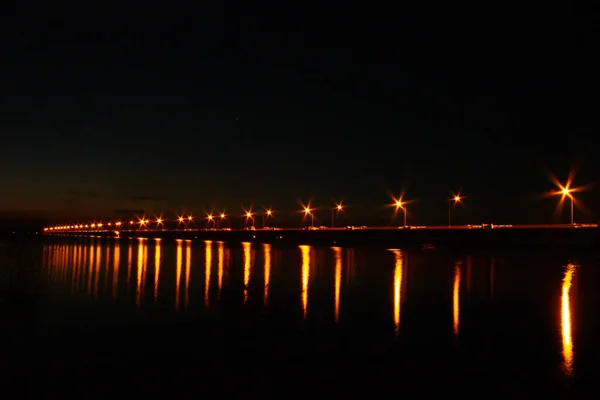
240, 318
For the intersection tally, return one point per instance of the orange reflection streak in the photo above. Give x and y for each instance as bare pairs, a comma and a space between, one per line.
455, 299
188, 267
129, 264
305, 276
75, 267
82, 267
207, 265
178, 271
157, 255
247, 260
398, 274
338, 281
106, 267
56, 271
71, 264
97, 278
267, 250
56, 263
116, 264
220, 256
141, 269
89, 269
565, 317
81, 258
61, 265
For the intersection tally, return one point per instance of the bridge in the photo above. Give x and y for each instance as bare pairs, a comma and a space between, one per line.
424, 236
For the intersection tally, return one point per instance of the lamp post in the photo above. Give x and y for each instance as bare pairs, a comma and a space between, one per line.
400, 204
567, 192
308, 211
336, 209
268, 213
249, 216
451, 203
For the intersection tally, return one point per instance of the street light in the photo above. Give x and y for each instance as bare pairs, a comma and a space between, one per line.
451, 203
249, 215
180, 220
338, 207
221, 218
209, 217
402, 205
268, 213
567, 192
308, 211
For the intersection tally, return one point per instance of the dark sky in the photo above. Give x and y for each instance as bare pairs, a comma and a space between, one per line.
208, 108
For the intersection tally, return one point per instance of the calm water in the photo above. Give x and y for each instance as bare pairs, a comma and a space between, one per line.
173, 316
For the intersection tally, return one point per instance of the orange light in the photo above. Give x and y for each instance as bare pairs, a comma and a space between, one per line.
190, 217
222, 215
565, 191
180, 219
269, 212
210, 217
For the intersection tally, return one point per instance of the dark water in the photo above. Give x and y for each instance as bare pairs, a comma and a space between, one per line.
96, 317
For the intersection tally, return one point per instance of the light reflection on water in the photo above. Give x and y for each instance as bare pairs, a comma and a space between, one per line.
319, 279
267, 271
398, 274
456, 299
338, 281
565, 319
306, 261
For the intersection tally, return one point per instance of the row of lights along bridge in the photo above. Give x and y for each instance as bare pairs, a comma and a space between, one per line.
217, 219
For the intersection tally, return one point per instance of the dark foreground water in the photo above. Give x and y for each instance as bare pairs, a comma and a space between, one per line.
100, 317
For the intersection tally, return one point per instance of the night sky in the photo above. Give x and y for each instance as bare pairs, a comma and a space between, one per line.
107, 111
